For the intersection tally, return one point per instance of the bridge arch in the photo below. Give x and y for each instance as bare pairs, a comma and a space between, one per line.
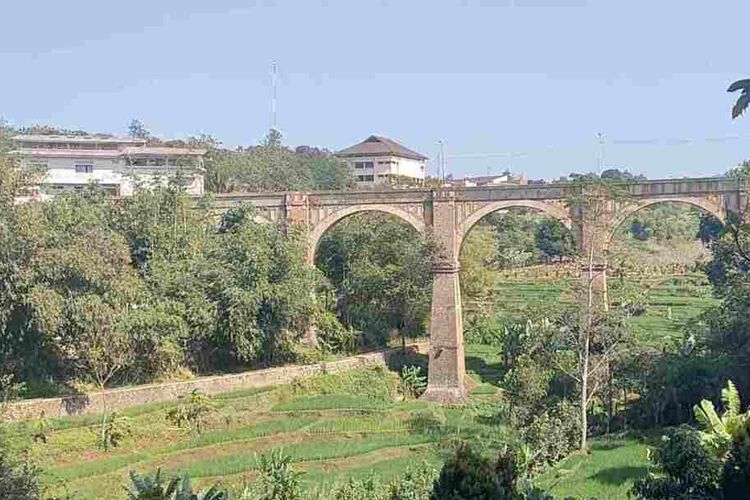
707, 205
319, 229
548, 209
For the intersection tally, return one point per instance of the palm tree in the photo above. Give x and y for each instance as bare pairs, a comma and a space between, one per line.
743, 100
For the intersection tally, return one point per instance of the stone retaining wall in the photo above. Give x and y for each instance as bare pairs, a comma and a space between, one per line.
125, 397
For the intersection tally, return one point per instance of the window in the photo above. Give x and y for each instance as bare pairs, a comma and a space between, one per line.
363, 164
365, 178
84, 168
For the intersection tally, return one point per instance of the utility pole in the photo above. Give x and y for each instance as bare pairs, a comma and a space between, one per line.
273, 96
441, 163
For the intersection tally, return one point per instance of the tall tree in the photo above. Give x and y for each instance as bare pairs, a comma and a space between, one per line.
137, 130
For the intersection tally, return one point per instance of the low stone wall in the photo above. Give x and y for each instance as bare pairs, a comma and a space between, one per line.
125, 397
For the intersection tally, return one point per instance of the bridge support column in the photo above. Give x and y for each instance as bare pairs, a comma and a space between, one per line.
445, 382
596, 277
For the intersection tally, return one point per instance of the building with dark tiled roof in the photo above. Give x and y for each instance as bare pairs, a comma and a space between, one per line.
378, 160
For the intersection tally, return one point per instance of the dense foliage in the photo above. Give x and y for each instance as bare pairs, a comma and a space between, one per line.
135, 289
379, 269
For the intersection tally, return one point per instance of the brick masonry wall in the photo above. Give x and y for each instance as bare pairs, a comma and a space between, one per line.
125, 397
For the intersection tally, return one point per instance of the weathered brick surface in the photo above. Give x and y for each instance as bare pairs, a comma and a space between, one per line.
117, 399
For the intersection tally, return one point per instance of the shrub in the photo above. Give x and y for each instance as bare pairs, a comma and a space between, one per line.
469, 475
431, 419
114, 430
278, 479
415, 484
479, 331
413, 383
18, 481
735, 479
682, 468
370, 381
191, 411
157, 487
553, 434
369, 488
155, 334
333, 336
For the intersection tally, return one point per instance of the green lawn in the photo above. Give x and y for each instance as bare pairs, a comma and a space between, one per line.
607, 471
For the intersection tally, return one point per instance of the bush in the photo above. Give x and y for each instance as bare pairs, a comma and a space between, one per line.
370, 381
479, 331
415, 484
682, 468
736, 476
469, 475
333, 336
413, 383
553, 434
158, 487
191, 411
114, 429
431, 419
18, 481
369, 488
278, 479
155, 334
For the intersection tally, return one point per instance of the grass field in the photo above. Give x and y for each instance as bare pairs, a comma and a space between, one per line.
672, 302
607, 471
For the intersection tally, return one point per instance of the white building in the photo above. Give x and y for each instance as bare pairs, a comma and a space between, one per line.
378, 160
489, 180
118, 166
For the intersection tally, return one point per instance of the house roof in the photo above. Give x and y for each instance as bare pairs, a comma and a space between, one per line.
163, 151
76, 139
380, 146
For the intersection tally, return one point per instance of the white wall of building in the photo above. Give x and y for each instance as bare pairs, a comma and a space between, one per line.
111, 173
377, 169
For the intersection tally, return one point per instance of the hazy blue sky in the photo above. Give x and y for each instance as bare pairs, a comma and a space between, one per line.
524, 84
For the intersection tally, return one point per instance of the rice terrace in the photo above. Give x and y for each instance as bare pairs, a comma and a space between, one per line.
374, 250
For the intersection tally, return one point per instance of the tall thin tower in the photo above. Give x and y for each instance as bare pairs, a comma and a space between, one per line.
273, 96
600, 138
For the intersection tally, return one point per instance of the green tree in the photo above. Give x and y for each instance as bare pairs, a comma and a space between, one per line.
137, 130
380, 270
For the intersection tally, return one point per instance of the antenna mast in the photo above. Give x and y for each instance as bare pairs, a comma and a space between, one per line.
273, 96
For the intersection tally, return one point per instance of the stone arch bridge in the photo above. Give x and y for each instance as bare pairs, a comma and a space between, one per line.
448, 214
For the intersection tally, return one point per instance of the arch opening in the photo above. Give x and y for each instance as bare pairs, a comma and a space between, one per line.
377, 277
655, 251
320, 229
511, 252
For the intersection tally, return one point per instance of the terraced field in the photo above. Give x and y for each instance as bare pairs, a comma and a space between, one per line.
672, 302
333, 426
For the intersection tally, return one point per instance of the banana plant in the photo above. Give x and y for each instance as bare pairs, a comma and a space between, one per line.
720, 431
158, 487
